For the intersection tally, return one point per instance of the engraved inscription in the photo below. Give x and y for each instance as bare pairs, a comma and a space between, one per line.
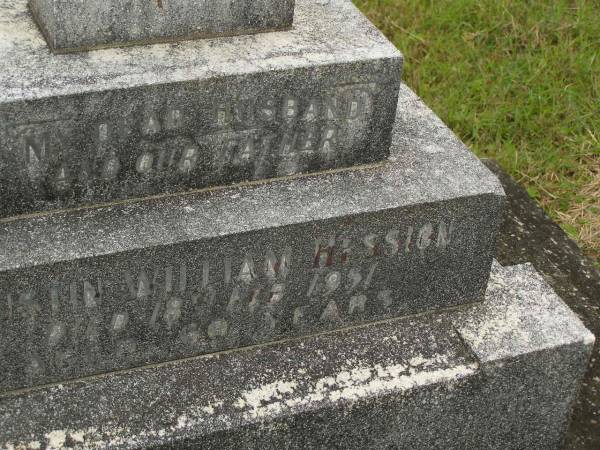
72, 326
178, 141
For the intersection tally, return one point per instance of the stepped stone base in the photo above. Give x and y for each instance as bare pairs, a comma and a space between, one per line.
502, 374
529, 235
99, 290
118, 124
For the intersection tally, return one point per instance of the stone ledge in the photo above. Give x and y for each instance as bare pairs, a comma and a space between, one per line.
529, 235
412, 383
328, 33
92, 291
428, 164
120, 124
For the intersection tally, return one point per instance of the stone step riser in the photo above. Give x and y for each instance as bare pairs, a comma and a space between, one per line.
118, 145
66, 24
111, 312
128, 123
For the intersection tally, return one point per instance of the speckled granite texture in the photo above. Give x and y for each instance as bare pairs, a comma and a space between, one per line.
115, 124
87, 24
503, 374
97, 290
529, 235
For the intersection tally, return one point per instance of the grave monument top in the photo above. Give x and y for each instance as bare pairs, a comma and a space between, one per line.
90, 24
118, 124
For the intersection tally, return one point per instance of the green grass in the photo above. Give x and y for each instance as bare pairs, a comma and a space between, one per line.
518, 81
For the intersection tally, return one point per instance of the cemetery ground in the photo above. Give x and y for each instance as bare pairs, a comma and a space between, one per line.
518, 82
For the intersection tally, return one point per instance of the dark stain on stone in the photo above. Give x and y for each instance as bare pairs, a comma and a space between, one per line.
529, 235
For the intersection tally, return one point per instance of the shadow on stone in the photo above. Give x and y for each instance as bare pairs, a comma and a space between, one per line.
529, 235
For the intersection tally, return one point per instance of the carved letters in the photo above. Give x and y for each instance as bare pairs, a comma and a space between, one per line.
214, 304
251, 138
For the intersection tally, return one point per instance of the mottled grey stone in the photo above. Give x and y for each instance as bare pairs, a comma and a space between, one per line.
116, 124
90, 24
96, 290
502, 374
528, 234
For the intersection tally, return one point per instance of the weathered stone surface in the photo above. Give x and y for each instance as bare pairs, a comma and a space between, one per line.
89, 24
529, 235
503, 374
97, 290
124, 123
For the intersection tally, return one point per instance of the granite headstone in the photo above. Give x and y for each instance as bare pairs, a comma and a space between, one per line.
126, 123
501, 374
104, 289
115, 313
